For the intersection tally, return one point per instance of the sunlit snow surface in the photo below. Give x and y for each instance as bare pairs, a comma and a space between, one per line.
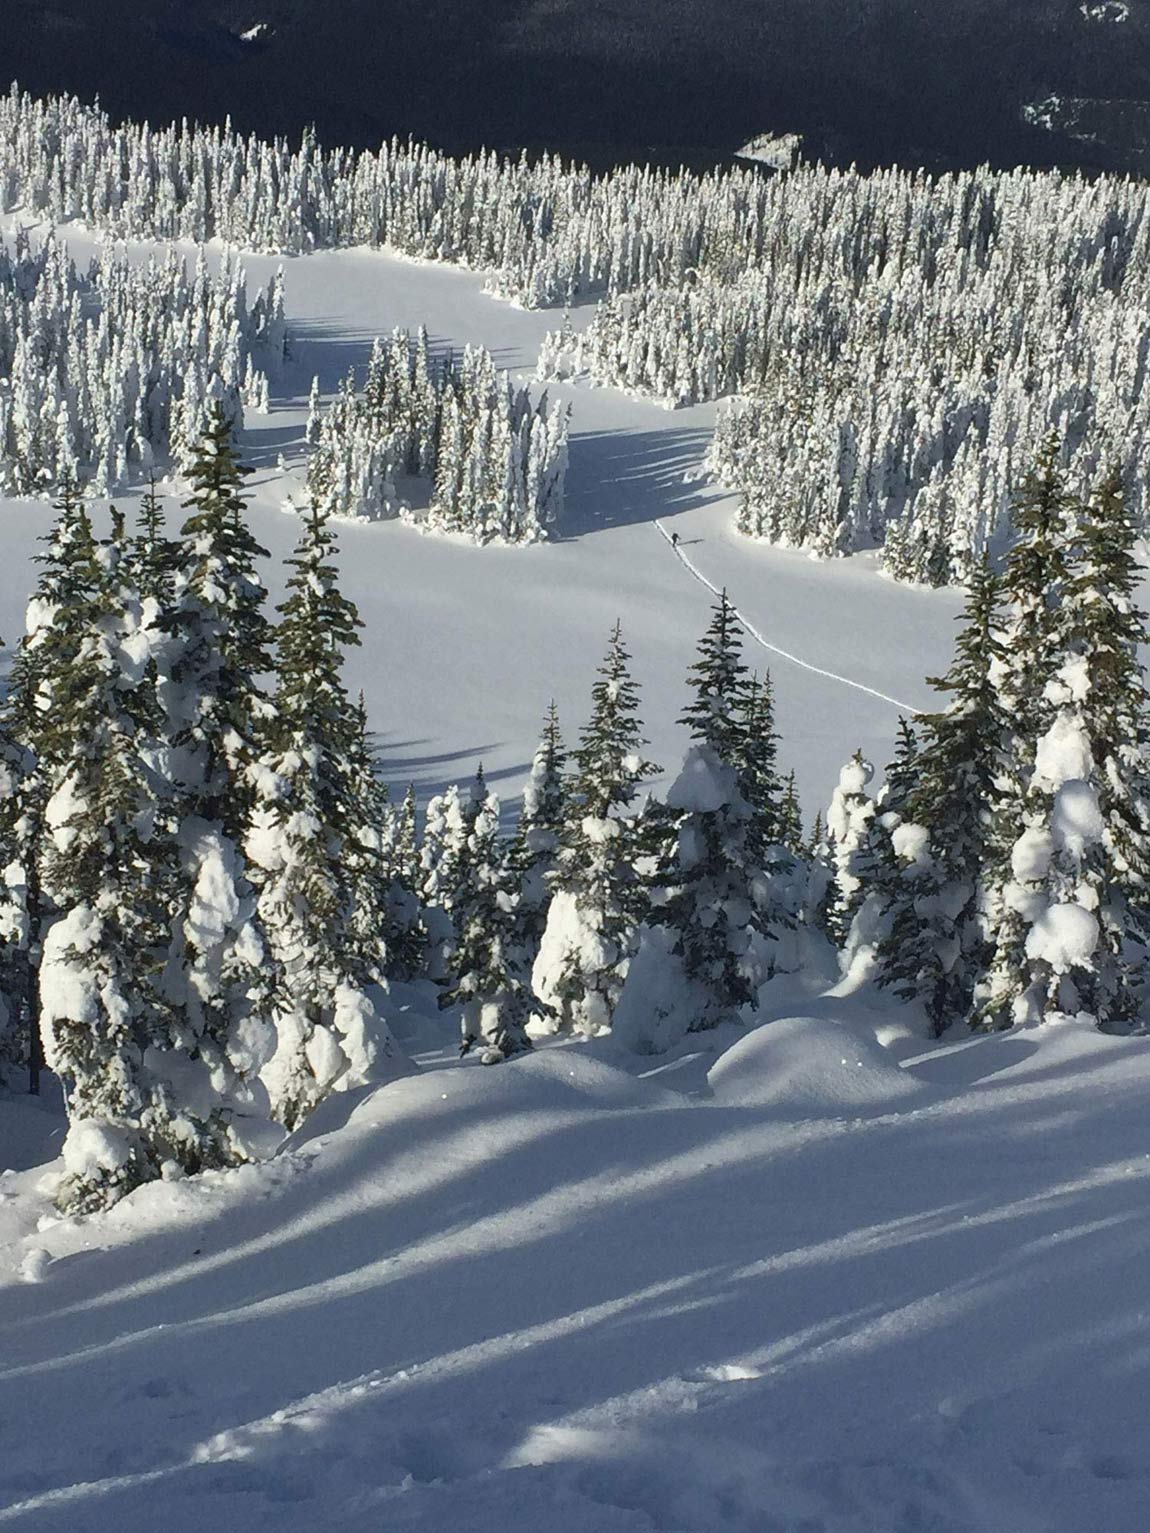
817, 1278
463, 648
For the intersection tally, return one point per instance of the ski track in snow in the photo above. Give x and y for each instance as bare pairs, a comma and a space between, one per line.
752, 632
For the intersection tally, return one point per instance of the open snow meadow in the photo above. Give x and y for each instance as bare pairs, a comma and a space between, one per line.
814, 1274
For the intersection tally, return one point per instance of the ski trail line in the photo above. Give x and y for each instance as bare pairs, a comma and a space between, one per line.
752, 632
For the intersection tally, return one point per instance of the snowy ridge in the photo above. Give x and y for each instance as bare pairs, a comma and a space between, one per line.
784, 654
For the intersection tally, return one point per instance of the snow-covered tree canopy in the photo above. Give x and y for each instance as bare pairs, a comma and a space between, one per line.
496, 461
895, 400
104, 372
899, 342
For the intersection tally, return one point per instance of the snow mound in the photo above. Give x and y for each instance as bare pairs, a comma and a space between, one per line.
561, 1080
810, 1067
569, 1074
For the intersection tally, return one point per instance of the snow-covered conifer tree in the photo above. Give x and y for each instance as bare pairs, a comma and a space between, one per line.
41, 675
387, 919
488, 979
535, 851
848, 835
699, 961
321, 877
1035, 580
599, 896
217, 717
880, 864
19, 1015
110, 868
935, 950
1070, 939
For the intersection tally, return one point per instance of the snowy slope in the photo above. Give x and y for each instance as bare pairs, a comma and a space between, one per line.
824, 1294
464, 647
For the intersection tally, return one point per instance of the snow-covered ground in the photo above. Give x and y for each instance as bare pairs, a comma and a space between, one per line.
464, 647
818, 1290
814, 1279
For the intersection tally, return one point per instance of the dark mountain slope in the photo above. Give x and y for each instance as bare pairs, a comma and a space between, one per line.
871, 80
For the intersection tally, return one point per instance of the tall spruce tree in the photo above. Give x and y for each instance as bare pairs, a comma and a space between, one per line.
41, 673
791, 817
19, 1015
536, 848
599, 896
322, 900
110, 868
387, 919
778, 876
705, 903
935, 951
1071, 942
1035, 580
217, 716
1107, 635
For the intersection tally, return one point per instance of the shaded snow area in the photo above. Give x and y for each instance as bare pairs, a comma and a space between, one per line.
799, 1283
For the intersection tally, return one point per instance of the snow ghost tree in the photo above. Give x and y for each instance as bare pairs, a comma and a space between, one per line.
849, 821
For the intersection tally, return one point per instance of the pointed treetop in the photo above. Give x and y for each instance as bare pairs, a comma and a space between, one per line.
717, 678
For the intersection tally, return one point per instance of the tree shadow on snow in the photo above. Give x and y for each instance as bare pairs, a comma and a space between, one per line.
652, 1251
327, 352
619, 478
400, 765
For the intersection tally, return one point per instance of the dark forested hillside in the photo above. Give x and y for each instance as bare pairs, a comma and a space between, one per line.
866, 80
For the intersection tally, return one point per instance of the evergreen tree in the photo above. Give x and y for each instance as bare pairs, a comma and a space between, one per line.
599, 896
849, 821
757, 753
935, 951
1107, 633
791, 817
488, 965
19, 1015
314, 841
1035, 582
109, 868
777, 881
878, 865
534, 854
389, 933
1075, 896
706, 903
217, 716
41, 673
152, 557
405, 855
